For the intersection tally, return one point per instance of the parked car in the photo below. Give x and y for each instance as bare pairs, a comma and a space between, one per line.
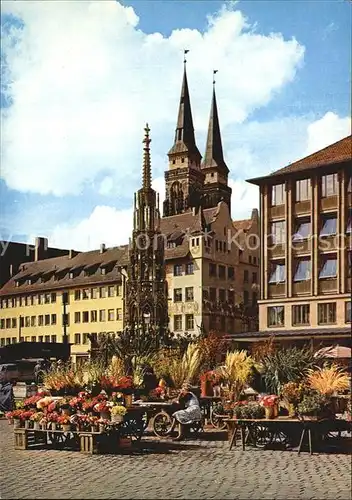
16, 372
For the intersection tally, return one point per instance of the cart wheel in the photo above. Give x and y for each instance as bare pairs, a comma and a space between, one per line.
263, 436
145, 420
162, 423
217, 421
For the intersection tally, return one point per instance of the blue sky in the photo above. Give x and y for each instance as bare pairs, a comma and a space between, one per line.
81, 78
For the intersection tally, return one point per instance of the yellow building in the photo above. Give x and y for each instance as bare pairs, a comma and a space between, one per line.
306, 248
32, 301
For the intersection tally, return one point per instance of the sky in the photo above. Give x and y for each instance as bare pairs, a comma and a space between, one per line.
79, 80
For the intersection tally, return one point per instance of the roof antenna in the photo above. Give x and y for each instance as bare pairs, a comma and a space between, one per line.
214, 73
185, 52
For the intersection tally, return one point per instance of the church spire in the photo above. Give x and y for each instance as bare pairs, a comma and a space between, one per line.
146, 159
184, 135
214, 156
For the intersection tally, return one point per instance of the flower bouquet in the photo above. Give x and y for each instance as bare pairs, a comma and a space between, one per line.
32, 401
270, 403
52, 419
44, 402
64, 421
102, 424
117, 413
103, 408
36, 418
156, 394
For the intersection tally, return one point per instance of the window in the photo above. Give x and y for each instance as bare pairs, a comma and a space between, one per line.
93, 316
276, 316
222, 272
189, 322
102, 315
118, 291
33, 300
53, 338
85, 338
47, 338
118, 314
178, 322
212, 294
189, 294
278, 236
178, 270
250, 259
40, 338
221, 295
2, 323
231, 296
47, 298
303, 270
300, 315
13, 323
212, 269
77, 338
349, 222
111, 291
77, 294
189, 268
329, 225
77, 317
178, 295
348, 312
327, 313
329, 185
94, 293
222, 323
22, 321
8, 322
303, 230
254, 299
111, 314
102, 292
231, 273
349, 185
303, 190
47, 319
53, 319
245, 297
254, 278
245, 276
349, 263
329, 268
33, 338
40, 320
53, 297
278, 273
33, 321
85, 316
85, 293
278, 195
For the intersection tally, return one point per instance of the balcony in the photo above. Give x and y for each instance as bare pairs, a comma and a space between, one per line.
329, 203
278, 290
302, 207
277, 250
328, 286
301, 288
277, 212
301, 247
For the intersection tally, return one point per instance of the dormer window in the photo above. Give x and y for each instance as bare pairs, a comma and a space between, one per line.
71, 275
29, 281
103, 271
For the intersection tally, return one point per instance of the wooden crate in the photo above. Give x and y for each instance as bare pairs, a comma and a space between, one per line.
21, 439
89, 442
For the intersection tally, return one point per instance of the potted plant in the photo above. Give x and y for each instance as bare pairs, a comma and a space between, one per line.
117, 413
94, 425
102, 423
52, 419
236, 372
292, 394
103, 408
26, 416
312, 405
18, 421
65, 422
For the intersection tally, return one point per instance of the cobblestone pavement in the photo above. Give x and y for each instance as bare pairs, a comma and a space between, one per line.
196, 469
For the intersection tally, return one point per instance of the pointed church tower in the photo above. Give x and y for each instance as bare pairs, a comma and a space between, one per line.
146, 288
184, 179
213, 166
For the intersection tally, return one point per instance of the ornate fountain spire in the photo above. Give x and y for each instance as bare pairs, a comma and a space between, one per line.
147, 184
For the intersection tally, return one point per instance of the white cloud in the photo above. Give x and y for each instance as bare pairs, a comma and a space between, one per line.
329, 129
83, 80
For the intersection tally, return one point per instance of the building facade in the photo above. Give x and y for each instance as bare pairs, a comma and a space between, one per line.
205, 263
306, 213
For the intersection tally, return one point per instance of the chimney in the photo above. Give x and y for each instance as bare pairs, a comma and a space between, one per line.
72, 253
255, 214
102, 248
41, 247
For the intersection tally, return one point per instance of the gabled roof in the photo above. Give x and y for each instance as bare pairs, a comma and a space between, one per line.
337, 153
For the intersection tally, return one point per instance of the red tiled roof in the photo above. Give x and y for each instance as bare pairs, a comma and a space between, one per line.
339, 152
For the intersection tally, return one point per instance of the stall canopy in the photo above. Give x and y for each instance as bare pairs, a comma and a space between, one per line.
34, 350
336, 352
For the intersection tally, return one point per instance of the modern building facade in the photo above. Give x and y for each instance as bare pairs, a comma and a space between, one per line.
306, 214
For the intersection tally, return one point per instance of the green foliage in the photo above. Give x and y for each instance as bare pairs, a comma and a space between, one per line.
249, 410
313, 403
285, 365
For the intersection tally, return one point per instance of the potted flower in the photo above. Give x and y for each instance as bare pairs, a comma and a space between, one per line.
26, 417
270, 403
117, 413
52, 420
18, 421
102, 423
103, 408
64, 421
313, 405
36, 417
93, 420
